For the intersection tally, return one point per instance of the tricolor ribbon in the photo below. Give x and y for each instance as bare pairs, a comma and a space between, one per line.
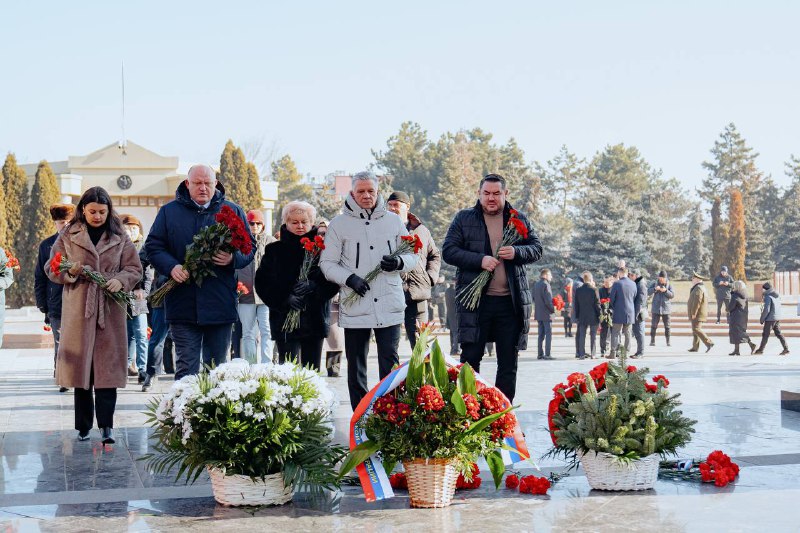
371, 472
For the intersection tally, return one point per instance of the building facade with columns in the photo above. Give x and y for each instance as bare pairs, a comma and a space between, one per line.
139, 181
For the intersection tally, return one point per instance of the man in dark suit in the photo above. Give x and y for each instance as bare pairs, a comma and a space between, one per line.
623, 294
639, 310
543, 312
587, 314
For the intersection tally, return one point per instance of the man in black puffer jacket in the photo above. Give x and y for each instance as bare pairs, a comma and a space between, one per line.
503, 313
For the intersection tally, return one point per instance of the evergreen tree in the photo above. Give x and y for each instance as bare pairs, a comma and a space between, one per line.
719, 238
736, 236
3, 215
15, 182
733, 167
40, 226
254, 196
607, 233
326, 201
237, 191
458, 186
787, 247
759, 264
227, 172
661, 226
290, 185
562, 178
621, 169
555, 233
695, 253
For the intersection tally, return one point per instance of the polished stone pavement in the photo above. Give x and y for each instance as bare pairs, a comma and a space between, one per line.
49, 481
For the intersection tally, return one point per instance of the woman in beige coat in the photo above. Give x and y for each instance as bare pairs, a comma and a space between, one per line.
93, 352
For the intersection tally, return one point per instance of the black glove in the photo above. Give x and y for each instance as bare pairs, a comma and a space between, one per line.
390, 264
302, 288
295, 302
359, 285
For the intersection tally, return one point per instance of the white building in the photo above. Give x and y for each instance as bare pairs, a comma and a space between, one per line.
138, 180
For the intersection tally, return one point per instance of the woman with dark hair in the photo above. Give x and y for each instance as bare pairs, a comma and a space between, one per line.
93, 352
277, 283
737, 318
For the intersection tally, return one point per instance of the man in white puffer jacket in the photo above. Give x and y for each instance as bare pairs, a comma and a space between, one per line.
358, 240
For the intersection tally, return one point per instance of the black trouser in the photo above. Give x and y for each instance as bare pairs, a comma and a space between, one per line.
416, 310
453, 327
722, 303
604, 334
102, 402
55, 327
498, 322
581, 339
168, 355
567, 326
306, 351
654, 327
774, 326
356, 348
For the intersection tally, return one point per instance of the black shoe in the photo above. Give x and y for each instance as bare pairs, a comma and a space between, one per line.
735, 352
784, 352
652, 343
83, 436
637, 356
752, 347
142, 377
693, 349
547, 358
148, 382
63, 389
668, 344
708, 348
108, 435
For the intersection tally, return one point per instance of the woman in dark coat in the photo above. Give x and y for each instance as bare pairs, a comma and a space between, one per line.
737, 319
277, 285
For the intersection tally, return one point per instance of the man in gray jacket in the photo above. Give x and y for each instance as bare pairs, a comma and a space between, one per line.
362, 237
417, 283
771, 318
543, 312
723, 284
662, 293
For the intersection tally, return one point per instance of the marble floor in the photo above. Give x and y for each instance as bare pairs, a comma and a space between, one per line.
51, 482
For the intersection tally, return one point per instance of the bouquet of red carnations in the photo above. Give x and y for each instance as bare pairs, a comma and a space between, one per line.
60, 263
12, 262
515, 230
310, 260
241, 289
558, 303
408, 244
227, 235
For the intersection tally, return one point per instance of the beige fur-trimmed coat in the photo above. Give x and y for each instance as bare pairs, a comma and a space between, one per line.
94, 327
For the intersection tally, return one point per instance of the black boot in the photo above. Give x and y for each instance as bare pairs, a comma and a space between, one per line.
735, 350
148, 382
108, 435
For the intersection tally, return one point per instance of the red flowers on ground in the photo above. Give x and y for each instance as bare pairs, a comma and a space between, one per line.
430, 399
718, 468
512, 481
462, 483
398, 480
534, 485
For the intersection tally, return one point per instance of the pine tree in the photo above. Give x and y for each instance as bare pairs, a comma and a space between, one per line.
227, 172
787, 248
3, 215
40, 226
607, 233
733, 167
719, 238
16, 187
562, 178
736, 236
237, 192
326, 201
695, 253
661, 226
621, 169
290, 185
759, 264
458, 186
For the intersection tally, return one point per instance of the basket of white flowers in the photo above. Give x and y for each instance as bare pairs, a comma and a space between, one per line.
261, 431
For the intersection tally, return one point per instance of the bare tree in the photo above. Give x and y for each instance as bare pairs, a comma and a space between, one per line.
262, 153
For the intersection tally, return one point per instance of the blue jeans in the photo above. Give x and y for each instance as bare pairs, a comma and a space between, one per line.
191, 340
545, 336
137, 341
255, 320
155, 346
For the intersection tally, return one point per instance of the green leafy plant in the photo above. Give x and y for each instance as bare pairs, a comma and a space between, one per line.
614, 409
438, 412
251, 420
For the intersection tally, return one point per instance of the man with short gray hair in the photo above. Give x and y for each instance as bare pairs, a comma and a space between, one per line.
363, 236
200, 319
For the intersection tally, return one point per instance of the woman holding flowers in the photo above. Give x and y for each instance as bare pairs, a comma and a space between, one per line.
93, 352
291, 284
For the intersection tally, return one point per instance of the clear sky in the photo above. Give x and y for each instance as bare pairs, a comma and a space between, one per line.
329, 81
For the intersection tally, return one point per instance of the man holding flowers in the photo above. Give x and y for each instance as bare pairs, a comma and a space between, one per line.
498, 311
366, 237
200, 314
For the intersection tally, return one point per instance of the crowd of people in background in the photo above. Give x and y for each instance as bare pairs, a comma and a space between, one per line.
241, 310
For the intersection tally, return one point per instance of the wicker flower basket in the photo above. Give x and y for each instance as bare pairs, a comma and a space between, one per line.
242, 490
431, 482
604, 473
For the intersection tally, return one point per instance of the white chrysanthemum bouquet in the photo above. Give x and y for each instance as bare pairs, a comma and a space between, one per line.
252, 420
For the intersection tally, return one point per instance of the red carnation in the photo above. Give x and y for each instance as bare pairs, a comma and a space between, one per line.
55, 264
534, 485
398, 481
452, 374
661, 378
473, 407
650, 387
512, 481
631, 369
504, 426
430, 399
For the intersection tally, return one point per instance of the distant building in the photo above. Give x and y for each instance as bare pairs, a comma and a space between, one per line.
138, 180
342, 183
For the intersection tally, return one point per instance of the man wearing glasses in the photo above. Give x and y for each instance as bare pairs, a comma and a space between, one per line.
253, 312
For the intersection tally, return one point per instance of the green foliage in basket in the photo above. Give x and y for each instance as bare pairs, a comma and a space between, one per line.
251, 420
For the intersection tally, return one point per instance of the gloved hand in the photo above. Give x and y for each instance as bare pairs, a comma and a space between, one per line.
295, 302
302, 288
359, 285
390, 264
